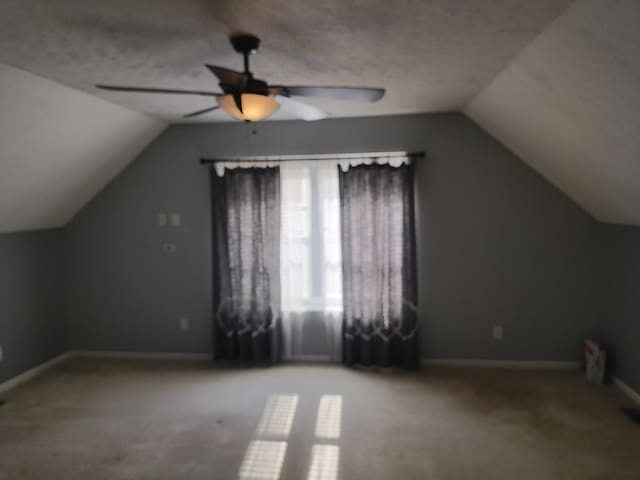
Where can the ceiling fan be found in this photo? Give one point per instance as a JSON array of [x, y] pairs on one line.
[[247, 98]]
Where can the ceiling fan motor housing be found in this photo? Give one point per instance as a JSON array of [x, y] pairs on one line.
[[246, 45]]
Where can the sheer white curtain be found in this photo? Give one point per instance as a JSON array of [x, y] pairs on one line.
[[310, 261]]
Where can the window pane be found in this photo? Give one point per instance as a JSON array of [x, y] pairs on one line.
[[311, 250]]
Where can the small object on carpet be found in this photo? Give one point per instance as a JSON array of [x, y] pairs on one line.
[[633, 414]]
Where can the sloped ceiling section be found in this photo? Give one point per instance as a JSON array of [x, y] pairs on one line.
[[430, 55], [569, 106], [58, 148]]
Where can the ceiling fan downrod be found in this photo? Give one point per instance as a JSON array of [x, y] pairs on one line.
[[246, 45]]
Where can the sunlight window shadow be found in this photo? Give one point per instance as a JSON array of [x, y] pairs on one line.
[[263, 460], [324, 462], [329, 417], [278, 414]]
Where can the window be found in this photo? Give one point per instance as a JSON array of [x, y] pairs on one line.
[[311, 262]]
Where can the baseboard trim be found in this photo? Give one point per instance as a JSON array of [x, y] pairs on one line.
[[309, 359], [429, 362], [140, 355], [32, 372], [626, 389], [513, 364]]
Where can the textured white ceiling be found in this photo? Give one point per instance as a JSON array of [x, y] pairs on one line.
[[557, 85], [58, 148], [430, 55], [569, 105]]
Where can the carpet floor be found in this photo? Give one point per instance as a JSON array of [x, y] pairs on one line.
[[124, 419]]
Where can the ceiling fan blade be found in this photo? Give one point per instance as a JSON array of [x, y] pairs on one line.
[[300, 109], [237, 98], [200, 112], [118, 88], [236, 80], [354, 94]]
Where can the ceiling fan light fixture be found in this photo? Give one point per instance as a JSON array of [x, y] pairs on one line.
[[259, 104], [254, 106]]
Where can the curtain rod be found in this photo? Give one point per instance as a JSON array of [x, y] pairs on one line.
[[329, 156]]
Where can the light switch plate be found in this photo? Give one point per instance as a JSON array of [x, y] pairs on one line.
[[161, 219], [174, 219], [184, 324], [0, 354]]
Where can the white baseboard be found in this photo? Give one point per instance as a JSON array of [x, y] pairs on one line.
[[626, 389], [32, 372], [309, 359], [444, 362], [140, 355], [514, 364], [43, 367]]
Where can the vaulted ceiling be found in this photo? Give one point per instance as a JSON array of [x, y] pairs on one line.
[[569, 106], [430, 55], [554, 80], [58, 148]]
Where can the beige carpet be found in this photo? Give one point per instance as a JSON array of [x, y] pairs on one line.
[[115, 419]]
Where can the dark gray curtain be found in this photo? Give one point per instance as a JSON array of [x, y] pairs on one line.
[[378, 261], [246, 264]]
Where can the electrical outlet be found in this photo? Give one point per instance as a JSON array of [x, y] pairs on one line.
[[184, 324], [498, 332]]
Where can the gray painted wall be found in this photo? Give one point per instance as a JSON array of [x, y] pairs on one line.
[[32, 307], [497, 244], [621, 315]]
